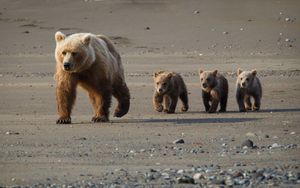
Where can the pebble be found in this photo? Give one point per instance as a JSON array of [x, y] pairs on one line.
[[249, 134], [247, 144], [186, 180], [275, 145], [178, 141]]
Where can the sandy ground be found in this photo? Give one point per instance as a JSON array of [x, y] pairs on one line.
[[151, 35]]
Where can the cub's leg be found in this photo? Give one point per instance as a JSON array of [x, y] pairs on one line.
[[174, 99], [206, 98], [121, 93], [256, 105], [157, 102], [223, 102], [185, 102], [215, 101], [240, 100], [167, 102], [247, 102], [65, 97]]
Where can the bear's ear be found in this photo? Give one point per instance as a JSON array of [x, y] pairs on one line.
[[86, 39], [215, 72], [170, 75], [253, 72], [239, 71], [155, 74], [200, 71], [59, 36]]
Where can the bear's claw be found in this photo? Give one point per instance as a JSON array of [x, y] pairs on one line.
[[63, 120], [100, 119]]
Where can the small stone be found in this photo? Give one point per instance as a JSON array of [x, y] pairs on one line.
[[198, 176], [247, 143], [196, 12], [275, 145], [178, 141], [147, 28], [225, 33], [287, 19], [186, 180], [249, 134], [292, 133]]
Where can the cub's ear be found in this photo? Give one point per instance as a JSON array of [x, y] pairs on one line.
[[254, 72], [200, 71], [239, 71], [59, 36], [170, 75], [215, 72], [157, 73], [86, 39]]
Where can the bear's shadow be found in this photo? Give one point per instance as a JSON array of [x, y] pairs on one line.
[[187, 120]]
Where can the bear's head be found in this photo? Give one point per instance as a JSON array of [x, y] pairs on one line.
[[74, 53], [162, 81], [208, 79], [245, 78]]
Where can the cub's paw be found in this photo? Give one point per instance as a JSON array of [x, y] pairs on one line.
[[255, 108], [222, 110], [61, 120], [119, 113], [100, 119], [184, 109], [159, 108], [248, 108], [170, 111], [166, 111]]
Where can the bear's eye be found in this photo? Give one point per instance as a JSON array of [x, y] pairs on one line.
[[247, 79], [241, 78], [157, 83], [201, 79], [64, 53], [164, 84], [208, 79], [74, 53]]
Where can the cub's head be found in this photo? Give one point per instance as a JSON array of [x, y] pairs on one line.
[[74, 53], [208, 79], [245, 78], [162, 81]]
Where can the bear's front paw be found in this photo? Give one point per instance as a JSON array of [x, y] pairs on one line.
[[61, 120], [159, 108], [255, 108], [100, 119], [243, 110], [170, 111]]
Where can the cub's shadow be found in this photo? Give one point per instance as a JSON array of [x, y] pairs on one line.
[[187, 120]]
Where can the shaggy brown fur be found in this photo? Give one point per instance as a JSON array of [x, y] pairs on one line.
[[247, 86], [168, 87], [93, 63], [214, 89]]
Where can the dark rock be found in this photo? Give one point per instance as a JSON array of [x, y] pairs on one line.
[[248, 143], [178, 141]]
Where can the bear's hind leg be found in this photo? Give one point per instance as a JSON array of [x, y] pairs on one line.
[[121, 93], [173, 104], [247, 102], [101, 103], [223, 102], [256, 105], [185, 102]]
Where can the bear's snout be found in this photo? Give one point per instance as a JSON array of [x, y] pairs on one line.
[[243, 84], [204, 85], [67, 66]]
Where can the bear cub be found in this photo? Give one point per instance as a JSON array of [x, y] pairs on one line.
[[214, 89], [247, 86], [168, 87]]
